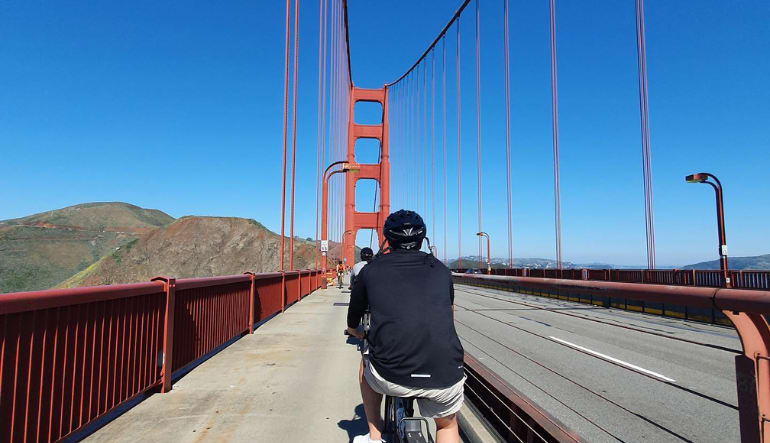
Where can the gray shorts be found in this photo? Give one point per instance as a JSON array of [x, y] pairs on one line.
[[432, 403]]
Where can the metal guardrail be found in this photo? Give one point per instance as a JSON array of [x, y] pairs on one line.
[[69, 357], [680, 277], [509, 412], [747, 310]]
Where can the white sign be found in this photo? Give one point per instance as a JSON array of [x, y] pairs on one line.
[[324, 245]]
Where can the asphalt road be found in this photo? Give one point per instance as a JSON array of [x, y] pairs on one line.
[[608, 374]]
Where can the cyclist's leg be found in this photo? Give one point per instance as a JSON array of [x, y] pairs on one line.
[[372, 401], [447, 430]]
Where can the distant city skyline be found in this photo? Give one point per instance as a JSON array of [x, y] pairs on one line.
[[177, 107]]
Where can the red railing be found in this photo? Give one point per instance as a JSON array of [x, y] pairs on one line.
[[680, 277], [71, 356]]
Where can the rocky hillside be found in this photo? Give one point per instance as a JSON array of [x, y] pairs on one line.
[[42, 250], [194, 247]]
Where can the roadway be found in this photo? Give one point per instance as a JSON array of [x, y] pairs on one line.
[[608, 374]]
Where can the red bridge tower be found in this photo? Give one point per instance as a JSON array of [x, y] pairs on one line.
[[380, 172]]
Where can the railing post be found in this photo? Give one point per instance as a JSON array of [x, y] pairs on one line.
[[752, 375], [169, 287], [283, 291], [252, 293]]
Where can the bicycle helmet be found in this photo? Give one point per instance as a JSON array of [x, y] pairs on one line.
[[404, 230], [367, 254]]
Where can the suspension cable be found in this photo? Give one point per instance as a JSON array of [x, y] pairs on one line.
[[416, 140], [459, 190], [293, 134], [285, 132], [424, 144], [507, 130], [645, 129], [478, 125], [443, 138], [321, 95], [555, 129], [438, 37], [433, 144]]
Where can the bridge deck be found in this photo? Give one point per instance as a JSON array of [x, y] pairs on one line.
[[531, 342], [294, 379]]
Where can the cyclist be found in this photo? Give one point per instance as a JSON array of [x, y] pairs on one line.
[[366, 256], [340, 272], [414, 349]]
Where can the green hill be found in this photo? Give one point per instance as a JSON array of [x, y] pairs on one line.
[[757, 262], [107, 216], [42, 250], [195, 247]]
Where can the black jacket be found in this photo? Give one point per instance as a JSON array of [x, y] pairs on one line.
[[412, 337]]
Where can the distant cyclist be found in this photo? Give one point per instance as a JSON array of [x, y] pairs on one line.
[[414, 350], [366, 256], [340, 273]]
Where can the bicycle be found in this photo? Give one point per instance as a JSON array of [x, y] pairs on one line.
[[400, 424]]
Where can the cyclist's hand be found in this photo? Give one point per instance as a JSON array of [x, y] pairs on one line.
[[355, 333]]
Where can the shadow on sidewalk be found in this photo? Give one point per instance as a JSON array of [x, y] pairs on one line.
[[356, 426]]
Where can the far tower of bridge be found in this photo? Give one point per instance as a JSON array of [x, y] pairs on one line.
[[380, 172]]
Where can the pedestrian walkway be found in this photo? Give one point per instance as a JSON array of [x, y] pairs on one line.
[[293, 380]]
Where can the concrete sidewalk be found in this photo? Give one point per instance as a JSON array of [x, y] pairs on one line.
[[293, 380]]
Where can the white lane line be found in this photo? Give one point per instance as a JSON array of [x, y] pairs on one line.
[[613, 359]]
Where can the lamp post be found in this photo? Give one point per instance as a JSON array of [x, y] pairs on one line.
[[489, 266], [346, 167], [702, 177]]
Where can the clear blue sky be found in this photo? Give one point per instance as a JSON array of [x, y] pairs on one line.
[[177, 106]]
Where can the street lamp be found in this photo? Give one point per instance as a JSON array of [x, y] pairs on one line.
[[345, 168], [489, 266], [703, 177]]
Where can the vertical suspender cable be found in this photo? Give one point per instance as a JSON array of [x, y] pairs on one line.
[[507, 130], [337, 130], [555, 122], [459, 187], [341, 104], [408, 144], [293, 135], [478, 125], [322, 91], [433, 145], [416, 141], [332, 115], [443, 138], [645, 129], [332, 118], [285, 131], [321, 66], [424, 143], [402, 142]]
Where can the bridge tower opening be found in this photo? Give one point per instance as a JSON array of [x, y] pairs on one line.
[[380, 172]]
